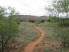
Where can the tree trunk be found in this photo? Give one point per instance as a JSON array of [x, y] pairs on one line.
[[2, 44], [7, 40], [67, 15]]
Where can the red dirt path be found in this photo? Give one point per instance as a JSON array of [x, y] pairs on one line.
[[31, 45]]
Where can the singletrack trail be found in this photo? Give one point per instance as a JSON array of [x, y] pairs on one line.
[[31, 45]]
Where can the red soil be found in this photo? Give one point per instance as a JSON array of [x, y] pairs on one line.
[[31, 45]]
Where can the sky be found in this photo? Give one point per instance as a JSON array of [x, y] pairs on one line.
[[28, 7]]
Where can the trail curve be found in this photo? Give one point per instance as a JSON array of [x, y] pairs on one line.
[[31, 45]]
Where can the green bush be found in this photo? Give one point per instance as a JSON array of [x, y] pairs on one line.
[[53, 19], [21, 20], [62, 33], [42, 21], [32, 21], [8, 30], [64, 22]]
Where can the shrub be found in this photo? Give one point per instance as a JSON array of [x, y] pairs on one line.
[[42, 21], [64, 22], [53, 19], [32, 21], [8, 30], [21, 20], [63, 35]]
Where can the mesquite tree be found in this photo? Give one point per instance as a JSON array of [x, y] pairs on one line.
[[62, 6], [8, 30]]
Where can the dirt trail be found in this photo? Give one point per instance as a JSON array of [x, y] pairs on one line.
[[31, 45]]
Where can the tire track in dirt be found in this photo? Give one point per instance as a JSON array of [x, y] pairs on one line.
[[31, 45]]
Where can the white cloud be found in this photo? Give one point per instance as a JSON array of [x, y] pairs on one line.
[[28, 7]]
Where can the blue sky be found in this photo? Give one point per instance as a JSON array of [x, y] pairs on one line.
[[28, 7]]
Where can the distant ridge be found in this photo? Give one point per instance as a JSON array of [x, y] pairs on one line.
[[30, 17]]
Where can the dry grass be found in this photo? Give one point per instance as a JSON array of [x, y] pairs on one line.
[[27, 33], [51, 30]]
